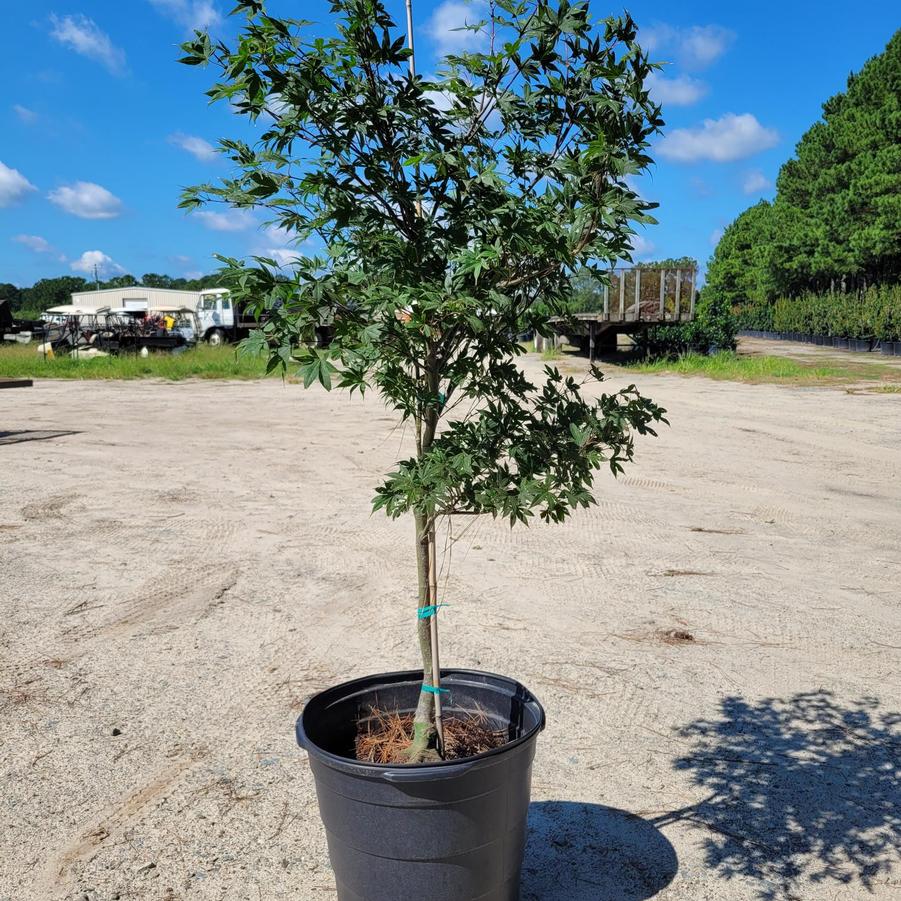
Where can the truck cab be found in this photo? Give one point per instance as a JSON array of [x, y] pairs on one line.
[[215, 315]]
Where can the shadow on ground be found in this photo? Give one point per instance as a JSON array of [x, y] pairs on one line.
[[587, 852], [802, 791], [33, 435]]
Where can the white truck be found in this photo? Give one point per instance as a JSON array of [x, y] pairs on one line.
[[215, 315], [218, 318], [222, 320]]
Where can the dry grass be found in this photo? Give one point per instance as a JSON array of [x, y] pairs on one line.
[[675, 636], [876, 389], [385, 737]]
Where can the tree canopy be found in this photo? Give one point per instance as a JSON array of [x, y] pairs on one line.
[[836, 218], [448, 206]]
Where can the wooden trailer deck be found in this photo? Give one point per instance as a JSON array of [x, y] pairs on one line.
[[635, 299]]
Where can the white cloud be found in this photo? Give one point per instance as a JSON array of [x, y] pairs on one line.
[[683, 90], [86, 200], [230, 221], [284, 256], [694, 48], [197, 147], [441, 100], [28, 116], [444, 101], [192, 14], [755, 182], [91, 258], [722, 140], [39, 245], [34, 242], [642, 247], [446, 21], [81, 34], [634, 182], [278, 244], [13, 185]]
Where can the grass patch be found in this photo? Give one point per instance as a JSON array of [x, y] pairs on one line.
[[766, 369], [202, 362], [876, 389]]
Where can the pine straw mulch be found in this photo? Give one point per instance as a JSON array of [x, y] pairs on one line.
[[384, 737]]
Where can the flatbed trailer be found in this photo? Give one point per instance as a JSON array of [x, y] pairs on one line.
[[635, 299]]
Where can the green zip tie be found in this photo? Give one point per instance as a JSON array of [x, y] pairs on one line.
[[431, 610]]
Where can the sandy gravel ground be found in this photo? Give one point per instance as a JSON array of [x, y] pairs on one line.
[[716, 644], [811, 353]]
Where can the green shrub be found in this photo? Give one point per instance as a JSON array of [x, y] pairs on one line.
[[714, 325], [884, 312], [876, 313], [756, 314], [30, 314]]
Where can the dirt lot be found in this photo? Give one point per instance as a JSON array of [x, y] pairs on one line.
[[716, 644], [811, 353]]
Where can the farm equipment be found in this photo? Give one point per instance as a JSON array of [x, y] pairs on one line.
[[171, 329], [99, 332]]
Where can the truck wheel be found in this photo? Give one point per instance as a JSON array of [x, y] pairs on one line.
[[216, 337]]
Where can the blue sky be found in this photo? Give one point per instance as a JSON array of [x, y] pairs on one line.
[[100, 128]]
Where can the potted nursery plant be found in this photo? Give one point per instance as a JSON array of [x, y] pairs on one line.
[[445, 209]]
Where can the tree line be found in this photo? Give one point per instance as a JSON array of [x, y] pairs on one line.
[[835, 223], [52, 292]]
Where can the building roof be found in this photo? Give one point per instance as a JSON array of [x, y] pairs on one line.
[[136, 288], [72, 309]]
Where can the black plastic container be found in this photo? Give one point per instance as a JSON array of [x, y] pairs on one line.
[[448, 831]]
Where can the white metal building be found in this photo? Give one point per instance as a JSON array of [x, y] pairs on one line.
[[136, 297]]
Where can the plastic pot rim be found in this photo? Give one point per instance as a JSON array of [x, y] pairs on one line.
[[412, 771]]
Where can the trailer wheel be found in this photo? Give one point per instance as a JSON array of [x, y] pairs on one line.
[[216, 337]]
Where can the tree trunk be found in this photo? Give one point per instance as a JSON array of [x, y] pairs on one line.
[[424, 718], [433, 634], [427, 726]]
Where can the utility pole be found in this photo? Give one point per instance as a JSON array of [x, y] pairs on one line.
[[96, 278], [410, 36]]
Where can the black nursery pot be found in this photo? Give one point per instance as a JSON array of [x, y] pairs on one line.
[[447, 831]]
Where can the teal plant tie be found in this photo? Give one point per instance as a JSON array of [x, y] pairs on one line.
[[430, 610], [432, 690]]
